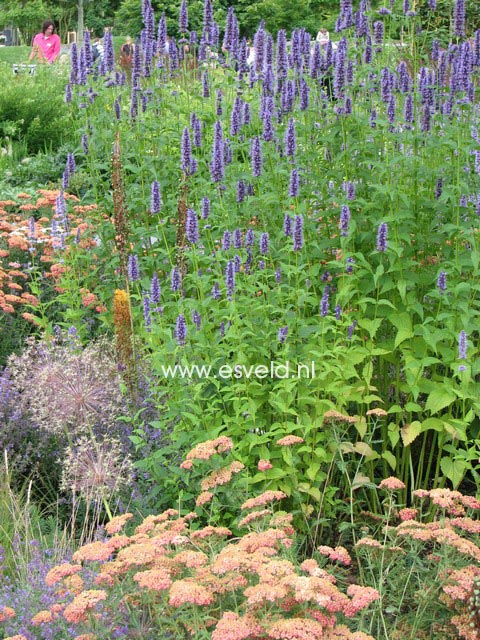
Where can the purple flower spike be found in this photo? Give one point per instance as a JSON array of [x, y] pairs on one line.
[[155, 198], [230, 278], [282, 334], [155, 291], [294, 185], [217, 166], [181, 330], [191, 227], [442, 281], [205, 208], [133, 270], [216, 291], [183, 18], [176, 279], [264, 242], [382, 237], [290, 140], [462, 346], [186, 161], [459, 18], [324, 302], [297, 233], [226, 240], [196, 319], [344, 220], [287, 226], [256, 157]]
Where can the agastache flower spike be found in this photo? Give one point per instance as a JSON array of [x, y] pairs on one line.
[[186, 161], [344, 220], [217, 167], [183, 17], [226, 240], [290, 140], [324, 302], [264, 242], [230, 278], [459, 18], [155, 198], [282, 334], [205, 208], [294, 184], [155, 291], [249, 237], [191, 227], [256, 157], [442, 281], [382, 237], [297, 233], [196, 319], [181, 330], [462, 346], [133, 270], [176, 279], [287, 226]]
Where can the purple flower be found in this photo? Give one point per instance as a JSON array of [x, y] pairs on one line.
[[297, 233], [344, 220], [217, 166], [230, 278], [264, 242], [338, 312], [155, 197], [459, 19], [462, 346], [205, 208], [133, 270], [155, 289], [205, 85], [382, 237], [196, 319], [282, 334], [256, 157], [176, 279], [196, 125], [278, 275], [425, 124], [216, 291], [236, 117], [290, 140], [351, 329], [68, 93], [218, 102], [442, 281], [191, 227], [287, 225], [226, 240], [349, 266], [249, 237], [408, 109], [324, 302], [186, 161], [181, 330], [240, 191], [294, 184], [304, 95], [237, 239], [183, 17], [282, 60]]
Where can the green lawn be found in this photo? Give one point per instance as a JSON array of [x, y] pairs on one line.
[[14, 55]]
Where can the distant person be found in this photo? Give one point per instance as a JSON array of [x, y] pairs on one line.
[[323, 37], [126, 53], [46, 45]]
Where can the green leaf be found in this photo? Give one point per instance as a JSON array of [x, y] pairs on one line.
[[439, 399], [410, 431], [453, 469], [372, 326], [390, 458]]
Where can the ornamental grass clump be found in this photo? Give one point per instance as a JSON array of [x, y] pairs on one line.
[[172, 576]]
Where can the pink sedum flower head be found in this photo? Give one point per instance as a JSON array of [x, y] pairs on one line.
[[391, 484], [264, 465], [289, 441]]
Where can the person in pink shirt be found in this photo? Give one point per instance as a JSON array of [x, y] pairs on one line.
[[46, 45]]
